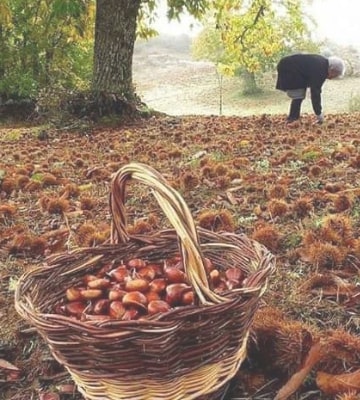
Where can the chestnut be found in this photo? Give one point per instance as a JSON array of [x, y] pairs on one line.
[[119, 274], [136, 263], [174, 293], [90, 294], [187, 298], [158, 306], [130, 314], [147, 272], [116, 309], [233, 284], [234, 274], [157, 268], [157, 285], [175, 261], [116, 294], [101, 306], [234, 278], [174, 275], [136, 285], [75, 308], [104, 270], [152, 295], [208, 264], [135, 299], [89, 277], [73, 294], [100, 283], [220, 287], [215, 276]]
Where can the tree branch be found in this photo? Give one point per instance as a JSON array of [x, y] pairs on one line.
[[258, 15]]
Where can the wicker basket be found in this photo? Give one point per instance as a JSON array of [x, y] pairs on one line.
[[187, 353]]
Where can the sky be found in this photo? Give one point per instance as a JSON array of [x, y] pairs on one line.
[[174, 27], [337, 20]]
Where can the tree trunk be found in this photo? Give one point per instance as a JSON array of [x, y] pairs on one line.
[[115, 35], [250, 86]]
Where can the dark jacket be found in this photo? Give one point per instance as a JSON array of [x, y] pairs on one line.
[[300, 71]]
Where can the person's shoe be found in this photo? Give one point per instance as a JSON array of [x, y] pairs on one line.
[[291, 120], [293, 123]]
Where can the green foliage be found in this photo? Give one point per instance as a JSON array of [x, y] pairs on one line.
[[146, 16], [44, 42], [196, 8], [18, 84], [209, 46], [48, 44], [252, 35]]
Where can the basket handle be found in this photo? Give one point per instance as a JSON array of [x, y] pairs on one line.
[[178, 213]]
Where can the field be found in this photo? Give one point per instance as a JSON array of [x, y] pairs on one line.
[[294, 189], [180, 86]]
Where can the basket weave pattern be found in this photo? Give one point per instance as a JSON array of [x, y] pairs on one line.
[[187, 353]]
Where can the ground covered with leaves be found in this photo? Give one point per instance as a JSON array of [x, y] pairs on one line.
[[294, 189]]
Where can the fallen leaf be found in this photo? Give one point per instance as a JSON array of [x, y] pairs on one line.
[[12, 373], [336, 384], [68, 388], [49, 396], [293, 384], [232, 199], [6, 365]]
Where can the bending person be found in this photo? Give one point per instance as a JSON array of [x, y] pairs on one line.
[[298, 72]]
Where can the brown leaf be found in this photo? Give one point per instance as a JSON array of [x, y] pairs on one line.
[[293, 384], [336, 384], [232, 199], [12, 372], [68, 388], [49, 396], [6, 365]]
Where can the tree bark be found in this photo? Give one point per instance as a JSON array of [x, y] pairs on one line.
[[250, 85], [115, 35]]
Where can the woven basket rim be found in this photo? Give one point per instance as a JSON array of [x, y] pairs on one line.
[[190, 247], [24, 303]]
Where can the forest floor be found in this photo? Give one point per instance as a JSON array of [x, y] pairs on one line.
[[294, 189]]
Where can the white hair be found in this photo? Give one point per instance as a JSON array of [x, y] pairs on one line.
[[337, 66]]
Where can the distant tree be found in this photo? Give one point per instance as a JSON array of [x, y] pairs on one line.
[[246, 38]]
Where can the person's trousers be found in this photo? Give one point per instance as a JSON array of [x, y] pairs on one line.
[[297, 96], [295, 108]]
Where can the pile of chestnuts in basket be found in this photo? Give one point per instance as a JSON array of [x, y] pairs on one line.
[[139, 289]]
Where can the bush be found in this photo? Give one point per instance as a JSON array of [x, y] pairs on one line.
[[17, 85]]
